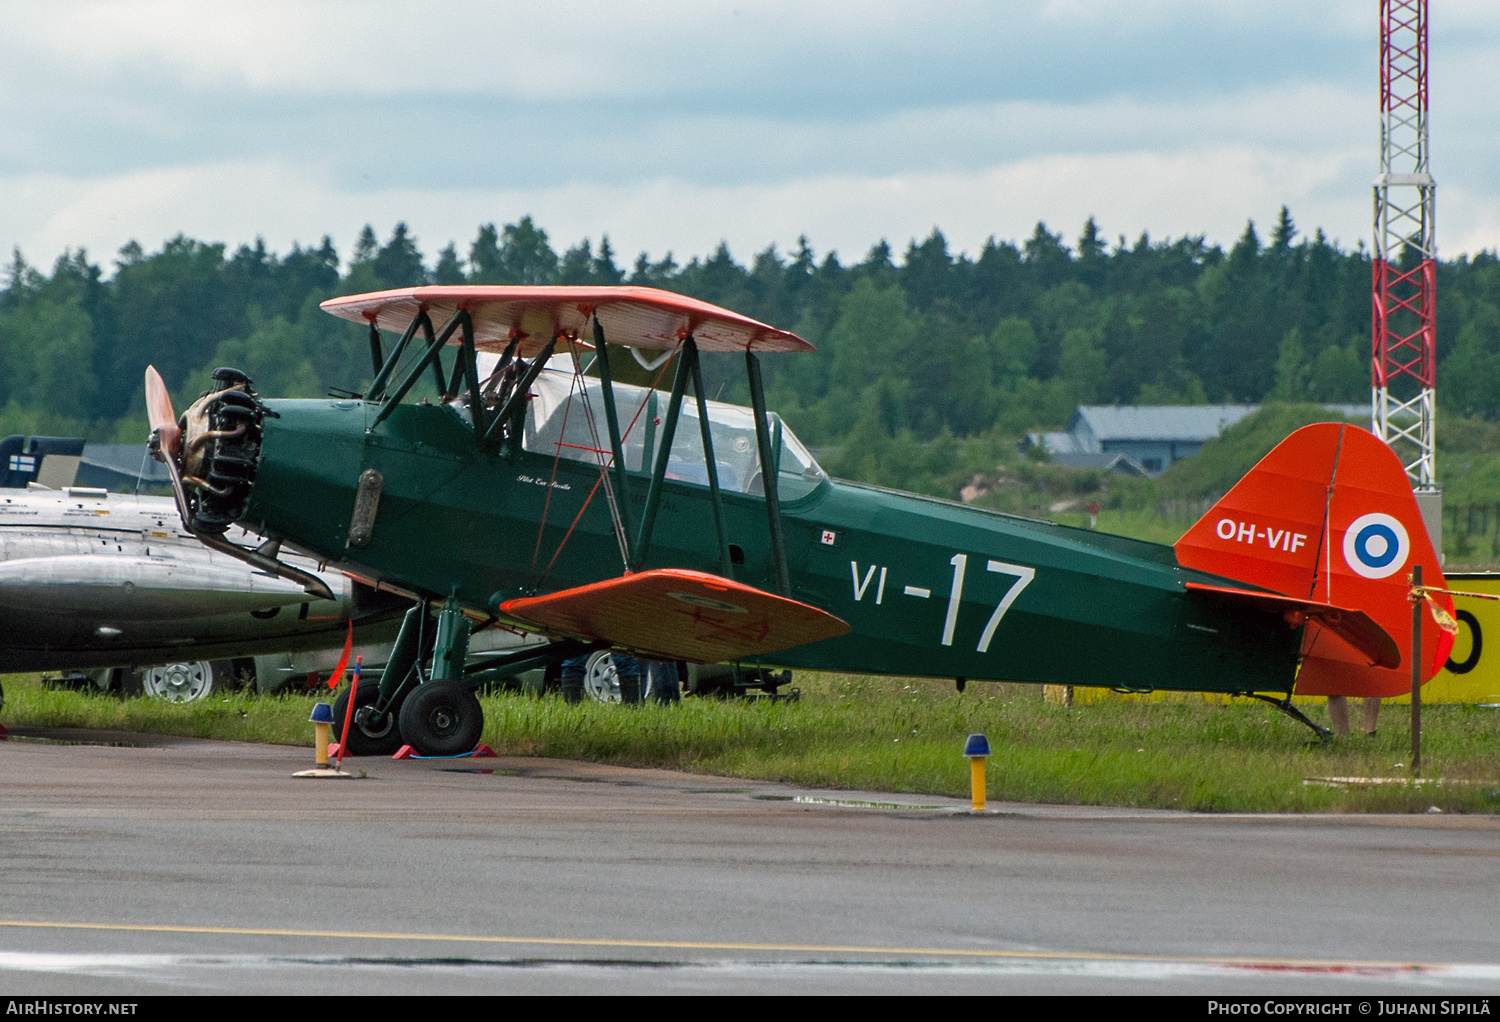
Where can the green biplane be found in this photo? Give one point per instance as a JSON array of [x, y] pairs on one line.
[[534, 492]]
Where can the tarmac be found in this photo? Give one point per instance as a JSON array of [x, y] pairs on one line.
[[134, 865]]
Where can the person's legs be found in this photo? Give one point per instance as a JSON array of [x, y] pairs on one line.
[[628, 671], [1338, 714], [572, 678], [1372, 713]]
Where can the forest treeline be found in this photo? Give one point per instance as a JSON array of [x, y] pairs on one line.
[[917, 350]]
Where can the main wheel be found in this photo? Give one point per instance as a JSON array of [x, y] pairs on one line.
[[368, 735], [442, 718], [178, 683], [601, 680]]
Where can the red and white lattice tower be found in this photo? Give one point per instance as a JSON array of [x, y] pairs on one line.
[[1405, 264]]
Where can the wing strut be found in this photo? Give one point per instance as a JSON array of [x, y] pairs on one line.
[[768, 471], [518, 396], [616, 512], [659, 471], [383, 376], [710, 461], [688, 368], [429, 357], [616, 446]]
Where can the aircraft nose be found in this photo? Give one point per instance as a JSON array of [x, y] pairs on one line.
[[220, 451]]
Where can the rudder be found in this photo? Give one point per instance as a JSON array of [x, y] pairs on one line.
[[1329, 516]]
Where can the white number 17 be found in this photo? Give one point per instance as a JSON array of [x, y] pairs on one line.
[[1024, 576]]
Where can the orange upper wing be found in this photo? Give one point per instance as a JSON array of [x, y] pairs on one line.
[[640, 317], [675, 614]]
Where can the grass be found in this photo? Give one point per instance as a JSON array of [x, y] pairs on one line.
[[906, 736], [240, 716]]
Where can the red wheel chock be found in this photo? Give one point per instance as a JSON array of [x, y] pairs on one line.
[[482, 752]]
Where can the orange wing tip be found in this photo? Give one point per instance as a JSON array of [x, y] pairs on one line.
[[1353, 626], [676, 614]]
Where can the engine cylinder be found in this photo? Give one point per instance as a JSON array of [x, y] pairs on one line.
[[231, 452]]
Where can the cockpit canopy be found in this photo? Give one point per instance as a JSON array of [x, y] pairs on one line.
[[566, 418]]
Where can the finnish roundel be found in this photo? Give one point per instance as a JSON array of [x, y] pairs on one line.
[[1376, 546]]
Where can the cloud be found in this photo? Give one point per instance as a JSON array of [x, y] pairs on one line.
[[563, 49], [1214, 190], [673, 124]]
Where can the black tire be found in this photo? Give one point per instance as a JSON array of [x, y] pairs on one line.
[[372, 738], [442, 718]]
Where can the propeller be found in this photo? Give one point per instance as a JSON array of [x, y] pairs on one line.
[[168, 436], [163, 418]]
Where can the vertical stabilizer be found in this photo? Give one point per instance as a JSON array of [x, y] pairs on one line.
[[1329, 516]]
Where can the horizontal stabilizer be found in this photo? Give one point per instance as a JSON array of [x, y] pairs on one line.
[[1355, 627], [675, 614]]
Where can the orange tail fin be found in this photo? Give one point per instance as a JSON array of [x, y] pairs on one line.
[[1329, 516]]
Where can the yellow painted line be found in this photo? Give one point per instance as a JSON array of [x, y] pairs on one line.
[[688, 945]]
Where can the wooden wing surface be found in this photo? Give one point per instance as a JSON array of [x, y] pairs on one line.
[[675, 614], [639, 317]]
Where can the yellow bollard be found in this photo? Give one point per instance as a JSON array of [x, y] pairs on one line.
[[322, 722], [977, 749]]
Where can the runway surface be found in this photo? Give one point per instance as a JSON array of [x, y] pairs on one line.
[[175, 865]]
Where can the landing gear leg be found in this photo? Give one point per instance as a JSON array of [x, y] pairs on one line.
[[1286, 707], [442, 716], [376, 729], [452, 644]]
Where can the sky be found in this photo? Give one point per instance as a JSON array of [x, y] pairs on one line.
[[672, 126]]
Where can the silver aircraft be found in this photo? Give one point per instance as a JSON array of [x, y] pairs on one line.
[[111, 584]]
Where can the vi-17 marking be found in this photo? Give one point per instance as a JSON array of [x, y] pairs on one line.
[[860, 587], [1024, 576]]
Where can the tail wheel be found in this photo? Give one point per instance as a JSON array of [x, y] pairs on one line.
[[442, 718], [369, 735]]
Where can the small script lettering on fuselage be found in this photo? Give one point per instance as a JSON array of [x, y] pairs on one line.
[[542, 482]]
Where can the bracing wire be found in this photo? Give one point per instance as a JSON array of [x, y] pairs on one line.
[[645, 399], [536, 551], [605, 462]]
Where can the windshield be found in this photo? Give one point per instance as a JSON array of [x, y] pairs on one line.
[[559, 421]]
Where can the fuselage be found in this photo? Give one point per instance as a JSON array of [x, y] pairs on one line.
[[94, 579], [929, 587]]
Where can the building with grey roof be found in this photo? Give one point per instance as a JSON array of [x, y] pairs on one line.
[[1149, 437]]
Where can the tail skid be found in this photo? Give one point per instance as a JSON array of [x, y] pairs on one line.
[[1328, 519]]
